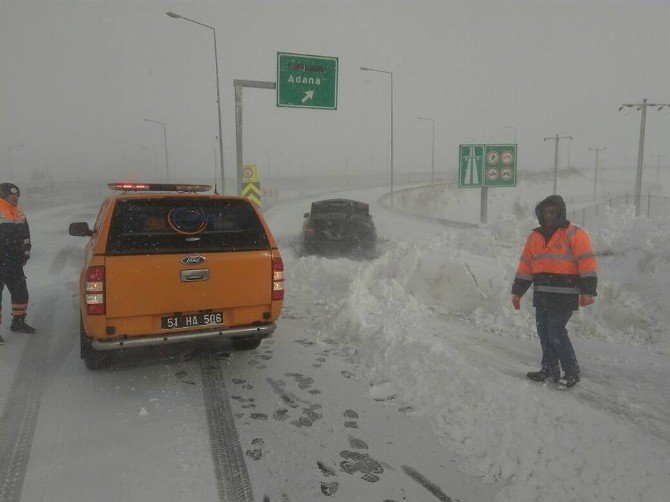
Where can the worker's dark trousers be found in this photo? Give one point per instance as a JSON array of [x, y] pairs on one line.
[[15, 280], [556, 346]]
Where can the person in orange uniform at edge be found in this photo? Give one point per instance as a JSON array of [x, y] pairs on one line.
[[14, 253], [559, 262]]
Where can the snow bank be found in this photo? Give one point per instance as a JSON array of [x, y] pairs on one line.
[[432, 322]]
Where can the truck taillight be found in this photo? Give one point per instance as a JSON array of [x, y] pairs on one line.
[[94, 290], [309, 231], [277, 279]]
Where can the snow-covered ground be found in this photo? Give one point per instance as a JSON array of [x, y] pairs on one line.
[[432, 320], [425, 331]]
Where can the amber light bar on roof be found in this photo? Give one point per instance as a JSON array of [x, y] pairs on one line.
[[158, 187]]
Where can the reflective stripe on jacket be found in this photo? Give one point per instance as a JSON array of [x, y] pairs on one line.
[[559, 270]]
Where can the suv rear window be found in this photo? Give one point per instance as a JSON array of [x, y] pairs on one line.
[[182, 225], [331, 208], [341, 207]]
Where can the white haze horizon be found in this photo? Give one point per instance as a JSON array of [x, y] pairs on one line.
[[81, 76]]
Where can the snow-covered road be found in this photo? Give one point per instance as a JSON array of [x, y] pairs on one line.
[[400, 378]]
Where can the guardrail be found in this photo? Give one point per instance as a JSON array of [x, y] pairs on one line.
[[652, 206], [399, 199]]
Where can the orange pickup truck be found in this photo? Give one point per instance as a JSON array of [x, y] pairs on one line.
[[170, 263]]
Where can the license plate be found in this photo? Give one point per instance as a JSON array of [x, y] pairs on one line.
[[191, 320]]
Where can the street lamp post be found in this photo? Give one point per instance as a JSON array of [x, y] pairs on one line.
[[218, 96], [364, 68], [10, 171], [432, 165], [214, 172], [167, 168]]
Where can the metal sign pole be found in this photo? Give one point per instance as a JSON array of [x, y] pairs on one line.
[[239, 84], [484, 206]]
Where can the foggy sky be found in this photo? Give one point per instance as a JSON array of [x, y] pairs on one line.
[[77, 78]]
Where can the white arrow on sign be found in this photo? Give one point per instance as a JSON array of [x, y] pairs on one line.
[[308, 95]]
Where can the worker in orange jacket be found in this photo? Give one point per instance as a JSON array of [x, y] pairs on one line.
[[14, 253], [559, 263]]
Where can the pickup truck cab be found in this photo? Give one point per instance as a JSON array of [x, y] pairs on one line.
[[169, 263]]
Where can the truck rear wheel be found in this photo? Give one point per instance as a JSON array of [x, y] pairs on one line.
[[246, 343], [93, 359]]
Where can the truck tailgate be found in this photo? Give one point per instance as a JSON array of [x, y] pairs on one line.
[[155, 284]]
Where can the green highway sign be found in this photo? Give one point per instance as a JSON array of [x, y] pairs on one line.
[[487, 165], [305, 81], [471, 165]]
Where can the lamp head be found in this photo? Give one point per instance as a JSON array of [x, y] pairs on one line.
[[174, 15]]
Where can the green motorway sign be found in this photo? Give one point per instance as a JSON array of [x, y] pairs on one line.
[[305, 81], [487, 165]]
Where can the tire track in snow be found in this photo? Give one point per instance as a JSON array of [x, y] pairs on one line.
[[426, 483], [232, 477], [19, 418], [61, 259]]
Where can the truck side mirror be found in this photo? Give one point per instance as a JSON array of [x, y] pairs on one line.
[[80, 229]]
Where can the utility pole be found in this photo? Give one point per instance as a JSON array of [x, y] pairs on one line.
[[556, 139], [640, 154], [596, 149], [658, 167]]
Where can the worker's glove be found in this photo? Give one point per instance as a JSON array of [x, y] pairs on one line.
[[585, 300], [516, 302]]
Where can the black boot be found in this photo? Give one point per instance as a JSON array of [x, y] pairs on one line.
[[19, 325], [568, 381], [543, 374], [2, 341]]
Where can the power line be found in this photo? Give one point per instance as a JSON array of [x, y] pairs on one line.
[[593, 123], [640, 154], [556, 139], [596, 149]]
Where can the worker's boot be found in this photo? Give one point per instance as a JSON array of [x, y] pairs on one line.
[[544, 374], [568, 381], [19, 325]]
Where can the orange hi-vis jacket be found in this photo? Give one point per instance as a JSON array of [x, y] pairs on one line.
[[559, 270], [14, 236]]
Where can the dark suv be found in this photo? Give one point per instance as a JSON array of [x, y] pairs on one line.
[[339, 227]]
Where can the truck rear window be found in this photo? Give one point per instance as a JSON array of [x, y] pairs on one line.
[[182, 225]]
